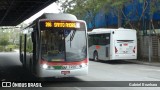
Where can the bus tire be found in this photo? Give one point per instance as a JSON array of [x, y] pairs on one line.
[[95, 56]]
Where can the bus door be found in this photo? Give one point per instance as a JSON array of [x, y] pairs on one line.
[[124, 46], [34, 36]]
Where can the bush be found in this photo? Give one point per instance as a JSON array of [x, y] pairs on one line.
[[12, 46], [8, 48], [1, 48]]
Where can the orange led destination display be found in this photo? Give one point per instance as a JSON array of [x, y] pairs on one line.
[[49, 24]]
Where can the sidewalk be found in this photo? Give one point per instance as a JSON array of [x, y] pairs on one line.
[[157, 64]]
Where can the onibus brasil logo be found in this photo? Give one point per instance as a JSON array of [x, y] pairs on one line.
[[15, 84]]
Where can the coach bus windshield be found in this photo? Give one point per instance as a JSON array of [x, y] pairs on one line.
[[63, 45]]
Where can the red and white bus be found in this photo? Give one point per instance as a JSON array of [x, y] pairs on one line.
[[55, 45], [112, 44]]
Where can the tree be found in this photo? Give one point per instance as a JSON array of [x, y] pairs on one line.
[[83, 9], [4, 41], [153, 8], [87, 9], [149, 5], [118, 6]]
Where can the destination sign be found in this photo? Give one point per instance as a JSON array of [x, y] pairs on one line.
[[62, 24], [49, 24], [71, 25]]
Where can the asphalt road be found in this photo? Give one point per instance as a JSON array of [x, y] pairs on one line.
[[119, 71]]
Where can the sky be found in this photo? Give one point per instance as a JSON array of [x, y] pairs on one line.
[[52, 8]]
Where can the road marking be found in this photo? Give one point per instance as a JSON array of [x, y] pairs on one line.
[[154, 78], [150, 70], [77, 88]]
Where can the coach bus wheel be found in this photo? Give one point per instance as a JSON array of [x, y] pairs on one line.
[[95, 56]]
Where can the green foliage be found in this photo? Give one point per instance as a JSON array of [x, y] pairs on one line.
[[4, 41], [9, 37], [8, 48], [29, 46], [82, 8], [1, 48], [87, 9], [119, 4], [76, 7], [153, 7], [12, 46]]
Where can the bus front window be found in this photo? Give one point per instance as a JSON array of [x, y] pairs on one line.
[[75, 45], [63, 45], [52, 46]]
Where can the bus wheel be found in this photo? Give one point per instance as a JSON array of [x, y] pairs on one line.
[[95, 55]]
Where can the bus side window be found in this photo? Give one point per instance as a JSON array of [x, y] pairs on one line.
[[32, 36], [107, 39], [95, 40]]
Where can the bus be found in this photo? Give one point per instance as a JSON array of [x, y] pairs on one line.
[[112, 44], [55, 45]]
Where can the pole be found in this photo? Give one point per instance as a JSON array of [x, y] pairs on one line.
[[150, 42]]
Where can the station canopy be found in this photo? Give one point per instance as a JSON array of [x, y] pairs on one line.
[[14, 12]]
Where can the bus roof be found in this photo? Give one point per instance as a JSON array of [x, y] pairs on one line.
[[57, 16], [54, 16], [107, 30]]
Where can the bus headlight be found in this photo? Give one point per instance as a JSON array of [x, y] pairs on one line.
[[44, 66], [83, 65]]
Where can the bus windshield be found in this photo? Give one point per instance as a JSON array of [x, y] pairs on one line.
[[63, 45]]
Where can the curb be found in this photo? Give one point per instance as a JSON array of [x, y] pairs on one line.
[[157, 64]]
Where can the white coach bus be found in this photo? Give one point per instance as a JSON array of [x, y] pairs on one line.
[[112, 44]]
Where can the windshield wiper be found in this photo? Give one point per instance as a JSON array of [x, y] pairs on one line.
[[72, 36]]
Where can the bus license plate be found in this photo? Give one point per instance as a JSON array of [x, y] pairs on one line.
[[70, 67], [65, 72], [73, 67], [125, 44]]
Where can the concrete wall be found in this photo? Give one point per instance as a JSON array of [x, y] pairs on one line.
[[143, 48]]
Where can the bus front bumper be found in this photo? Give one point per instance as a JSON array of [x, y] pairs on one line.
[[62, 73]]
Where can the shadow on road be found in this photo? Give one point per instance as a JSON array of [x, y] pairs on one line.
[[18, 73], [119, 62], [15, 73], [115, 62], [12, 70]]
